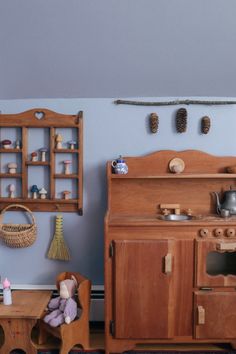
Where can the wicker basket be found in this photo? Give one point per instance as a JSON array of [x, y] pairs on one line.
[[18, 235]]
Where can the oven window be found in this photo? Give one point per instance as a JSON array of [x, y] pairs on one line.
[[221, 263]]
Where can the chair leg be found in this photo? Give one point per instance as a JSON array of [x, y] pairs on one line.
[[85, 341], [65, 348], [42, 335]]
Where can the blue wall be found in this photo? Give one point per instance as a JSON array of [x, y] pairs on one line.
[[109, 48], [109, 130]]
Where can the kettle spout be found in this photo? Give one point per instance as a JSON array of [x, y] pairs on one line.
[[218, 205]]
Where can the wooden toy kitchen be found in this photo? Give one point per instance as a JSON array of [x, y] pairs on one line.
[[170, 270]]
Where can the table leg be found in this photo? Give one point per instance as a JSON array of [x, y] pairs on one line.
[[17, 335]]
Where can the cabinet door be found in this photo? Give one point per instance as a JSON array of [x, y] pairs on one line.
[[215, 315], [143, 288], [216, 263]]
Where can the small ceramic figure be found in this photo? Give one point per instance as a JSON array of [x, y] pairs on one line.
[[18, 144], [43, 154], [66, 194], [72, 144], [12, 167], [6, 144], [119, 166], [42, 193], [34, 156], [59, 140], [12, 189], [67, 164], [34, 190]]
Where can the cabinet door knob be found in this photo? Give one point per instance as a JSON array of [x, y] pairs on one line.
[[230, 232], [203, 232], [200, 315], [218, 232], [168, 263]]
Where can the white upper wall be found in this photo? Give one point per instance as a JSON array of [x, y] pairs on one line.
[[117, 48]]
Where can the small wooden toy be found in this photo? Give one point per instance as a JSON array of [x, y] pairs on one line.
[[34, 190], [72, 144], [12, 189], [43, 154], [42, 193], [18, 144], [67, 164], [59, 140], [66, 194], [12, 167], [6, 144], [34, 156]]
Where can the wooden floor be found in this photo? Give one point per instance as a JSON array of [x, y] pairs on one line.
[[97, 344]]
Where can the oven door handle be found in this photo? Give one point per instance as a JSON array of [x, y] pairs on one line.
[[200, 315], [223, 246]]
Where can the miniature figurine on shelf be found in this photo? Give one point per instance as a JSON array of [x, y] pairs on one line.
[[18, 144], [43, 154], [59, 141], [6, 144], [72, 144], [42, 193], [34, 156], [66, 194], [34, 190], [12, 189], [119, 166], [67, 164], [12, 167]]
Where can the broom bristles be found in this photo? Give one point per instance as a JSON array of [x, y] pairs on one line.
[[58, 248]]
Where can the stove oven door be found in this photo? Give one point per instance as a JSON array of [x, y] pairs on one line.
[[215, 263]]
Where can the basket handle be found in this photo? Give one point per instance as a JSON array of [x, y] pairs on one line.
[[16, 206]]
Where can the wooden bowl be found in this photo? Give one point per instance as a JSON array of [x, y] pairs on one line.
[[176, 165]]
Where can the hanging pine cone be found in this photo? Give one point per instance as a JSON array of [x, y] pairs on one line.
[[154, 122], [181, 120], [206, 124]]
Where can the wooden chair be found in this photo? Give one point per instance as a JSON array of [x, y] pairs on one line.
[[77, 332]]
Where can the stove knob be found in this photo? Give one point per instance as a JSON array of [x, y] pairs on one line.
[[203, 232], [218, 232], [230, 232]]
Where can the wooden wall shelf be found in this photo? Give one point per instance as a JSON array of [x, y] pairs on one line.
[[38, 163], [180, 176], [6, 151], [52, 121], [70, 151]]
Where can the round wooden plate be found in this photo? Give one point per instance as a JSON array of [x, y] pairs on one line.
[[176, 165]]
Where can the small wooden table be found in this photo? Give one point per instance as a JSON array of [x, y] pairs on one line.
[[18, 319]]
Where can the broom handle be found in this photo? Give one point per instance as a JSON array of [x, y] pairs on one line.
[[16, 206]]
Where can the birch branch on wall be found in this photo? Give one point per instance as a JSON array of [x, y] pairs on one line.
[[175, 102]]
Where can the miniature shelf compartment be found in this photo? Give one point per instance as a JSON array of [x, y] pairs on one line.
[[44, 118]]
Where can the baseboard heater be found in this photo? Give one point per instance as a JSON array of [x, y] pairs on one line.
[[97, 298]]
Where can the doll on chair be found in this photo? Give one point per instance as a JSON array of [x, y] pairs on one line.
[[63, 309]]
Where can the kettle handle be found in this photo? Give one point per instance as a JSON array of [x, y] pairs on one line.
[[113, 163]]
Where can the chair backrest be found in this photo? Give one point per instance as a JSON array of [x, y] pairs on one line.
[[83, 289]]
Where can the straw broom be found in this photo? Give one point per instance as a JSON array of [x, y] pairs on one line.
[[58, 248]]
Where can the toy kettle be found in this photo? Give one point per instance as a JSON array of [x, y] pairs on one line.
[[228, 202], [119, 166]]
